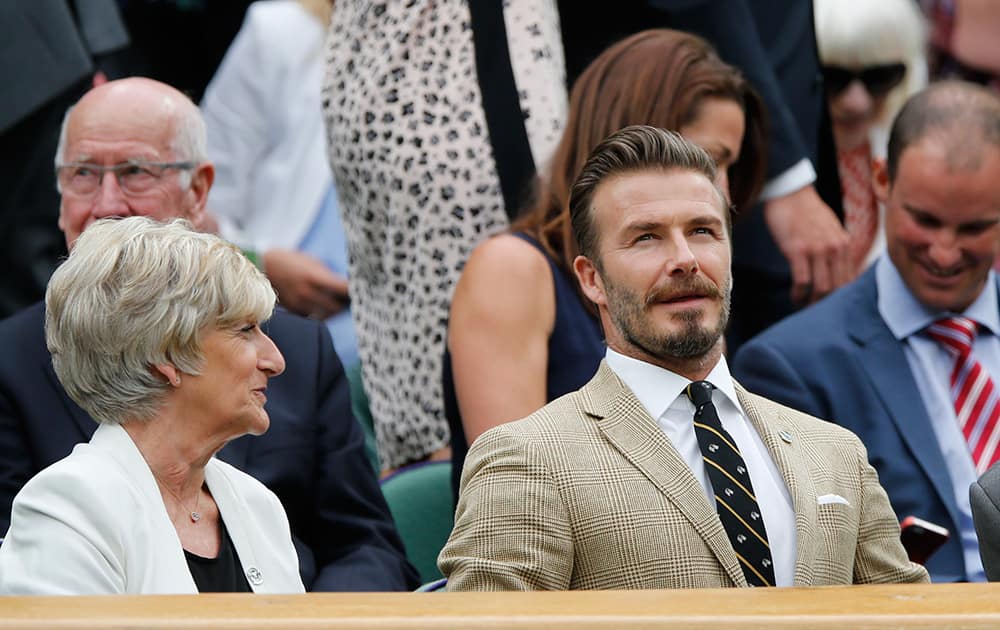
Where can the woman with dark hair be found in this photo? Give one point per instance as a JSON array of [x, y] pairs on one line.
[[520, 333]]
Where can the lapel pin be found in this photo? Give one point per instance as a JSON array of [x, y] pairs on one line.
[[255, 576], [786, 436]]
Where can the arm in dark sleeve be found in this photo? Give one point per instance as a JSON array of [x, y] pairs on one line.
[[356, 544], [730, 27]]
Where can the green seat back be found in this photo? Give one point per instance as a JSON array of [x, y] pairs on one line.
[[419, 497], [359, 405]]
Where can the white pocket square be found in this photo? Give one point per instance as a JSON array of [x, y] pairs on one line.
[[827, 499]]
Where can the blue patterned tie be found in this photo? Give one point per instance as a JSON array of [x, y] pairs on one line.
[[734, 495]]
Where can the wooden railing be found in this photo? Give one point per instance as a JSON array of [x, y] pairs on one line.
[[851, 607]]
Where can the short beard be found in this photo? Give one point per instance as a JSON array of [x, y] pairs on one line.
[[692, 341]]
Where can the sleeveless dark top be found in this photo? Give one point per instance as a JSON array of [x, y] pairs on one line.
[[576, 347], [221, 574]]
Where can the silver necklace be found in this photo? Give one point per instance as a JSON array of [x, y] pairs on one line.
[[194, 514]]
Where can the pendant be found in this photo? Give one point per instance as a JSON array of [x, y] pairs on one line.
[[195, 517]]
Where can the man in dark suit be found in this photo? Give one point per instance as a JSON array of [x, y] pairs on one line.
[[792, 249], [312, 456], [905, 355]]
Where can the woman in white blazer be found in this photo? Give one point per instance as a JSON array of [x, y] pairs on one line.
[[154, 330]]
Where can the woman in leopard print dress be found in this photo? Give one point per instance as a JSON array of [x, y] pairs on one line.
[[420, 142]]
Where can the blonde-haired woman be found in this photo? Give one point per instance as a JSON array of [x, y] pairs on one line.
[[873, 59], [154, 330]]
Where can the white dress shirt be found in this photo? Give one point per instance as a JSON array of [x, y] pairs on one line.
[[794, 178], [661, 393]]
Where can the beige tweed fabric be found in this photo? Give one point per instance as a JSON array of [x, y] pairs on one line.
[[588, 493]]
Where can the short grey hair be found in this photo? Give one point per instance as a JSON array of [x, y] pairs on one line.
[[135, 293], [633, 149], [189, 144], [963, 118]]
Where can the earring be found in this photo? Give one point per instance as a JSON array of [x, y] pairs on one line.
[[177, 381]]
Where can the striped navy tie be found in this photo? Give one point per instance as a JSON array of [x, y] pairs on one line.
[[734, 496]]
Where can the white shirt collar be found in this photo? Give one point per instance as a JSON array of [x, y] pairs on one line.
[[657, 388]]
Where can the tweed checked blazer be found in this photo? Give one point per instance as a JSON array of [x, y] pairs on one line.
[[589, 493]]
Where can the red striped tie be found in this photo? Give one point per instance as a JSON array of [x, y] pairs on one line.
[[976, 398]]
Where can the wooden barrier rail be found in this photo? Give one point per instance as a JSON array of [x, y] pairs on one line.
[[854, 607]]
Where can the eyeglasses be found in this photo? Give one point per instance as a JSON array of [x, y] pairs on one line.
[[878, 80], [135, 177]]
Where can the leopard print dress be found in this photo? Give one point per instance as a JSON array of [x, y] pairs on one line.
[[414, 166]]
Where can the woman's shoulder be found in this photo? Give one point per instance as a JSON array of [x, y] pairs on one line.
[[86, 481], [507, 254], [506, 267], [507, 282]]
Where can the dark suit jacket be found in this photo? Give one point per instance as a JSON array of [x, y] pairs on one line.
[[984, 495], [838, 360], [312, 456]]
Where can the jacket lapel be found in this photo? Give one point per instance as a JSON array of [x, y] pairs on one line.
[[892, 381], [117, 444], [627, 426], [778, 435], [236, 515]]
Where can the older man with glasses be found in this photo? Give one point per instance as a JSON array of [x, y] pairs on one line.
[[159, 161]]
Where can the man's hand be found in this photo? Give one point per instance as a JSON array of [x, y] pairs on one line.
[[304, 284], [814, 242]]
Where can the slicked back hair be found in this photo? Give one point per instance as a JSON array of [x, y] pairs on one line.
[[629, 150]]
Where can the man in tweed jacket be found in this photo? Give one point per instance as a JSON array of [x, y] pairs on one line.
[[606, 487]]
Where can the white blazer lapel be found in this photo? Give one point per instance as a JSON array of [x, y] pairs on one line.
[[170, 561], [235, 514]]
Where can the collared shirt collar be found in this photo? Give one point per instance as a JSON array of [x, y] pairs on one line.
[[657, 388], [905, 316]]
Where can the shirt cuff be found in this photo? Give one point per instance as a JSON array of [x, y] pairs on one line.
[[798, 176]]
